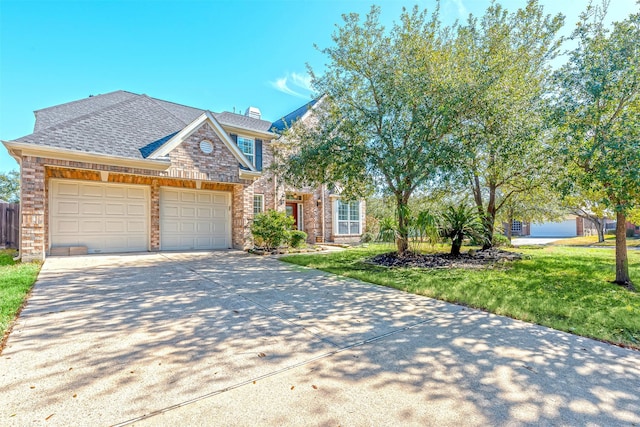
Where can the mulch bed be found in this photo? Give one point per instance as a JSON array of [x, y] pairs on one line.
[[471, 259]]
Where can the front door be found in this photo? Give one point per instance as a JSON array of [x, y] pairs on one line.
[[292, 210]]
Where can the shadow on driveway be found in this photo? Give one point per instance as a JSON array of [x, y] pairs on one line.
[[112, 339]]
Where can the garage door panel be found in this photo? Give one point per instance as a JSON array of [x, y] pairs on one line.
[[191, 219], [170, 195], [205, 213], [67, 227], [205, 198], [138, 227], [100, 216], [115, 226], [188, 197], [187, 212], [136, 210], [115, 209], [91, 226], [219, 212], [136, 193], [204, 227], [219, 200], [116, 192], [90, 208], [67, 207], [88, 190], [187, 227]]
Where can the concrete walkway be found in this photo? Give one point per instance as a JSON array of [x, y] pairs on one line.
[[225, 338]]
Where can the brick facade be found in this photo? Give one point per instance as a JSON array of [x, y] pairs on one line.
[[190, 168]]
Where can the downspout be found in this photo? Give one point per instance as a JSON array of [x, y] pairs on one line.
[[322, 211], [19, 256]]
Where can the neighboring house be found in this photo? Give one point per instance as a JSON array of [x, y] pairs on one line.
[[570, 226], [123, 172]]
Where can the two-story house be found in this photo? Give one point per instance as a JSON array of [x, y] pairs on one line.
[[123, 172]]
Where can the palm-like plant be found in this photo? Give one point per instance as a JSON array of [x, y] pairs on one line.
[[459, 223]]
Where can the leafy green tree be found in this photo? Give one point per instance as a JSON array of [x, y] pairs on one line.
[[588, 204], [502, 61], [598, 116], [386, 110], [10, 186]]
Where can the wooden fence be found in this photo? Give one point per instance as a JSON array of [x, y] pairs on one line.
[[9, 225]]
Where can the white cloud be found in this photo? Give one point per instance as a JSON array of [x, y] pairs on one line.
[[462, 10], [298, 81], [303, 81]]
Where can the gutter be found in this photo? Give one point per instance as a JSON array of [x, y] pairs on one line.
[[72, 155]]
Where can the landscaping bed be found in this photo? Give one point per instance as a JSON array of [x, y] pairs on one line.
[[470, 259]]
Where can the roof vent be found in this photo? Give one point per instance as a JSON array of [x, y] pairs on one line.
[[253, 112]]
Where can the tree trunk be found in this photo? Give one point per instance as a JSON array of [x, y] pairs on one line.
[[622, 262], [456, 244], [510, 226], [600, 227], [490, 220], [402, 237]]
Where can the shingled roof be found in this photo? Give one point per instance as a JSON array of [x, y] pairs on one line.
[[121, 124], [120, 129], [293, 116], [244, 122]]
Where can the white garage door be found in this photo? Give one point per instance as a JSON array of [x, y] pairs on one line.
[[102, 217], [194, 219], [555, 229]]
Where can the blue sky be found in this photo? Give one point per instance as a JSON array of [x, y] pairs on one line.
[[216, 55]]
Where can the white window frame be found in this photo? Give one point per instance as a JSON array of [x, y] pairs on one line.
[[349, 221], [241, 140], [261, 198]]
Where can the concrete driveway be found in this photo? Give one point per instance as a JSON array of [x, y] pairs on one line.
[[225, 338]]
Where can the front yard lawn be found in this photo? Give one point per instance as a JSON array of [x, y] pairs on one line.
[[609, 241], [16, 279], [560, 287]]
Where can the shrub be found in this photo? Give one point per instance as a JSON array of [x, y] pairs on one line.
[[297, 238], [459, 223], [425, 229], [270, 229], [367, 237], [500, 240], [387, 232]]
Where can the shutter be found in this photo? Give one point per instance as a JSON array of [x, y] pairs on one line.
[[234, 137], [258, 154]]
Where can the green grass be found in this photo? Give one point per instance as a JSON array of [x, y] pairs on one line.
[[563, 288], [632, 242], [16, 279]]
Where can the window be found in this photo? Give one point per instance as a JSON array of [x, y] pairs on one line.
[[348, 217], [247, 146], [258, 203], [516, 227]]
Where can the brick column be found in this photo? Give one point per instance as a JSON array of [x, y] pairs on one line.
[[154, 211], [242, 214], [32, 207]]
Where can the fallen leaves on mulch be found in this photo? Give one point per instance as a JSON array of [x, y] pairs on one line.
[[471, 259]]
